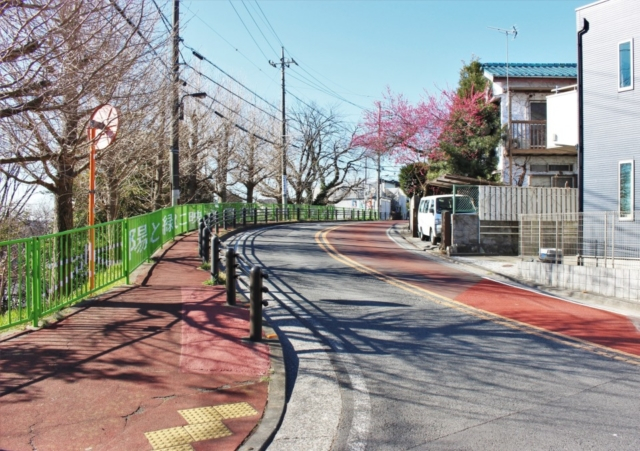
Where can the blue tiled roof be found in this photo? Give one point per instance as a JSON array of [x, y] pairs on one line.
[[538, 70]]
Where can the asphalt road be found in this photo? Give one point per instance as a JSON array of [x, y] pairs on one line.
[[372, 365]]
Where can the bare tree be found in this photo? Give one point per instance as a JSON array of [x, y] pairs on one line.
[[63, 58], [14, 218], [221, 158], [321, 160], [255, 154]]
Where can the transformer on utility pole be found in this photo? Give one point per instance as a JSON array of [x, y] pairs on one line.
[[283, 64]]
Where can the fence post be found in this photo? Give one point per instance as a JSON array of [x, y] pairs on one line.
[[255, 215], [255, 307], [206, 244], [244, 216], [215, 259], [454, 199], [297, 213], [266, 215], [125, 249], [231, 276], [201, 228], [33, 250]]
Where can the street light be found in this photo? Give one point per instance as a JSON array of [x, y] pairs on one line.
[[175, 146]]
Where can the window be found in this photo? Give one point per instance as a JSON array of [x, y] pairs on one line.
[[625, 189], [538, 111], [538, 168], [540, 181], [551, 168], [625, 65], [560, 168]]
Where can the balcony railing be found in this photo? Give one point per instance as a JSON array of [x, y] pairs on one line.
[[528, 134]]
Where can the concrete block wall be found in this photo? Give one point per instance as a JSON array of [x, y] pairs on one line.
[[465, 233], [621, 283]]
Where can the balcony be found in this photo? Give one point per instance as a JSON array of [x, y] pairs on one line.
[[528, 135]]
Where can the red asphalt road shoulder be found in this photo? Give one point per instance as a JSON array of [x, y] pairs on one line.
[[158, 364], [369, 245]]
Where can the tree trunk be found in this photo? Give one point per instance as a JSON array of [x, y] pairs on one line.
[[64, 197], [250, 187]]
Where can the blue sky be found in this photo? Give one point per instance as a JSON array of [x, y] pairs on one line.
[[358, 48]]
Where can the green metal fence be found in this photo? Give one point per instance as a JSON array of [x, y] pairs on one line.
[[43, 274]]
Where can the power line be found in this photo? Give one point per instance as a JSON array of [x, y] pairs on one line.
[[230, 91], [268, 23], [235, 124], [164, 19], [302, 67], [206, 24], [213, 99], [204, 58], [258, 27], [245, 27]]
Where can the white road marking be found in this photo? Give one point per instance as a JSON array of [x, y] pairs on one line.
[[302, 423]]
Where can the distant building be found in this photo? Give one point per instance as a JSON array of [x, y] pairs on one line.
[[529, 155], [392, 199]]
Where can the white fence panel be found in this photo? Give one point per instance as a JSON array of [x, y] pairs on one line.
[[506, 203]]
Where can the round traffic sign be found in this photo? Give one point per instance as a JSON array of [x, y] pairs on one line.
[[104, 123]]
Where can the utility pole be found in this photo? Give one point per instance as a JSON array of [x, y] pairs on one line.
[[514, 32], [283, 64], [379, 153], [175, 101]]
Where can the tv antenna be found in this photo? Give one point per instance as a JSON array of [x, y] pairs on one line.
[[513, 31]]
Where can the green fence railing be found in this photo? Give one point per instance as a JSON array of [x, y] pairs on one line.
[[43, 274]]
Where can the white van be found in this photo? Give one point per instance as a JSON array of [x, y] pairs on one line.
[[430, 213]]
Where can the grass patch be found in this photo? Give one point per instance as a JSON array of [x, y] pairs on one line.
[[222, 280], [205, 265]]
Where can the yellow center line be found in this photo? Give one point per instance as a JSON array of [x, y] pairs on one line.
[[321, 238]]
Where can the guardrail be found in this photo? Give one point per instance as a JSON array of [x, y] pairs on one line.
[[41, 275]]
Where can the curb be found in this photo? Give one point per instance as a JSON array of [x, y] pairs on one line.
[[260, 438], [615, 305], [264, 432]]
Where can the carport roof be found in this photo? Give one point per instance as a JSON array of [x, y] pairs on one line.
[[448, 180]]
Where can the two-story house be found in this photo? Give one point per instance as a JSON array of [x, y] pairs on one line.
[[611, 105], [528, 154]]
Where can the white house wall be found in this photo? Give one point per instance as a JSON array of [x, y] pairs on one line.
[[611, 126], [562, 119]]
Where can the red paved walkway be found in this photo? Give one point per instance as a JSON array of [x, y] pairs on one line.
[[125, 365], [368, 244]]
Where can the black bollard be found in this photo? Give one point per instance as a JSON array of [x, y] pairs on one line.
[[231, 276], [215, 259], [255, 307], [206, 243], [201, 228]]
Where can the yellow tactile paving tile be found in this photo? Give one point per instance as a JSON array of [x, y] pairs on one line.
[[200, 415], [177, 448], [167, 438], [204, 423], [237, 410], [207, 431]]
